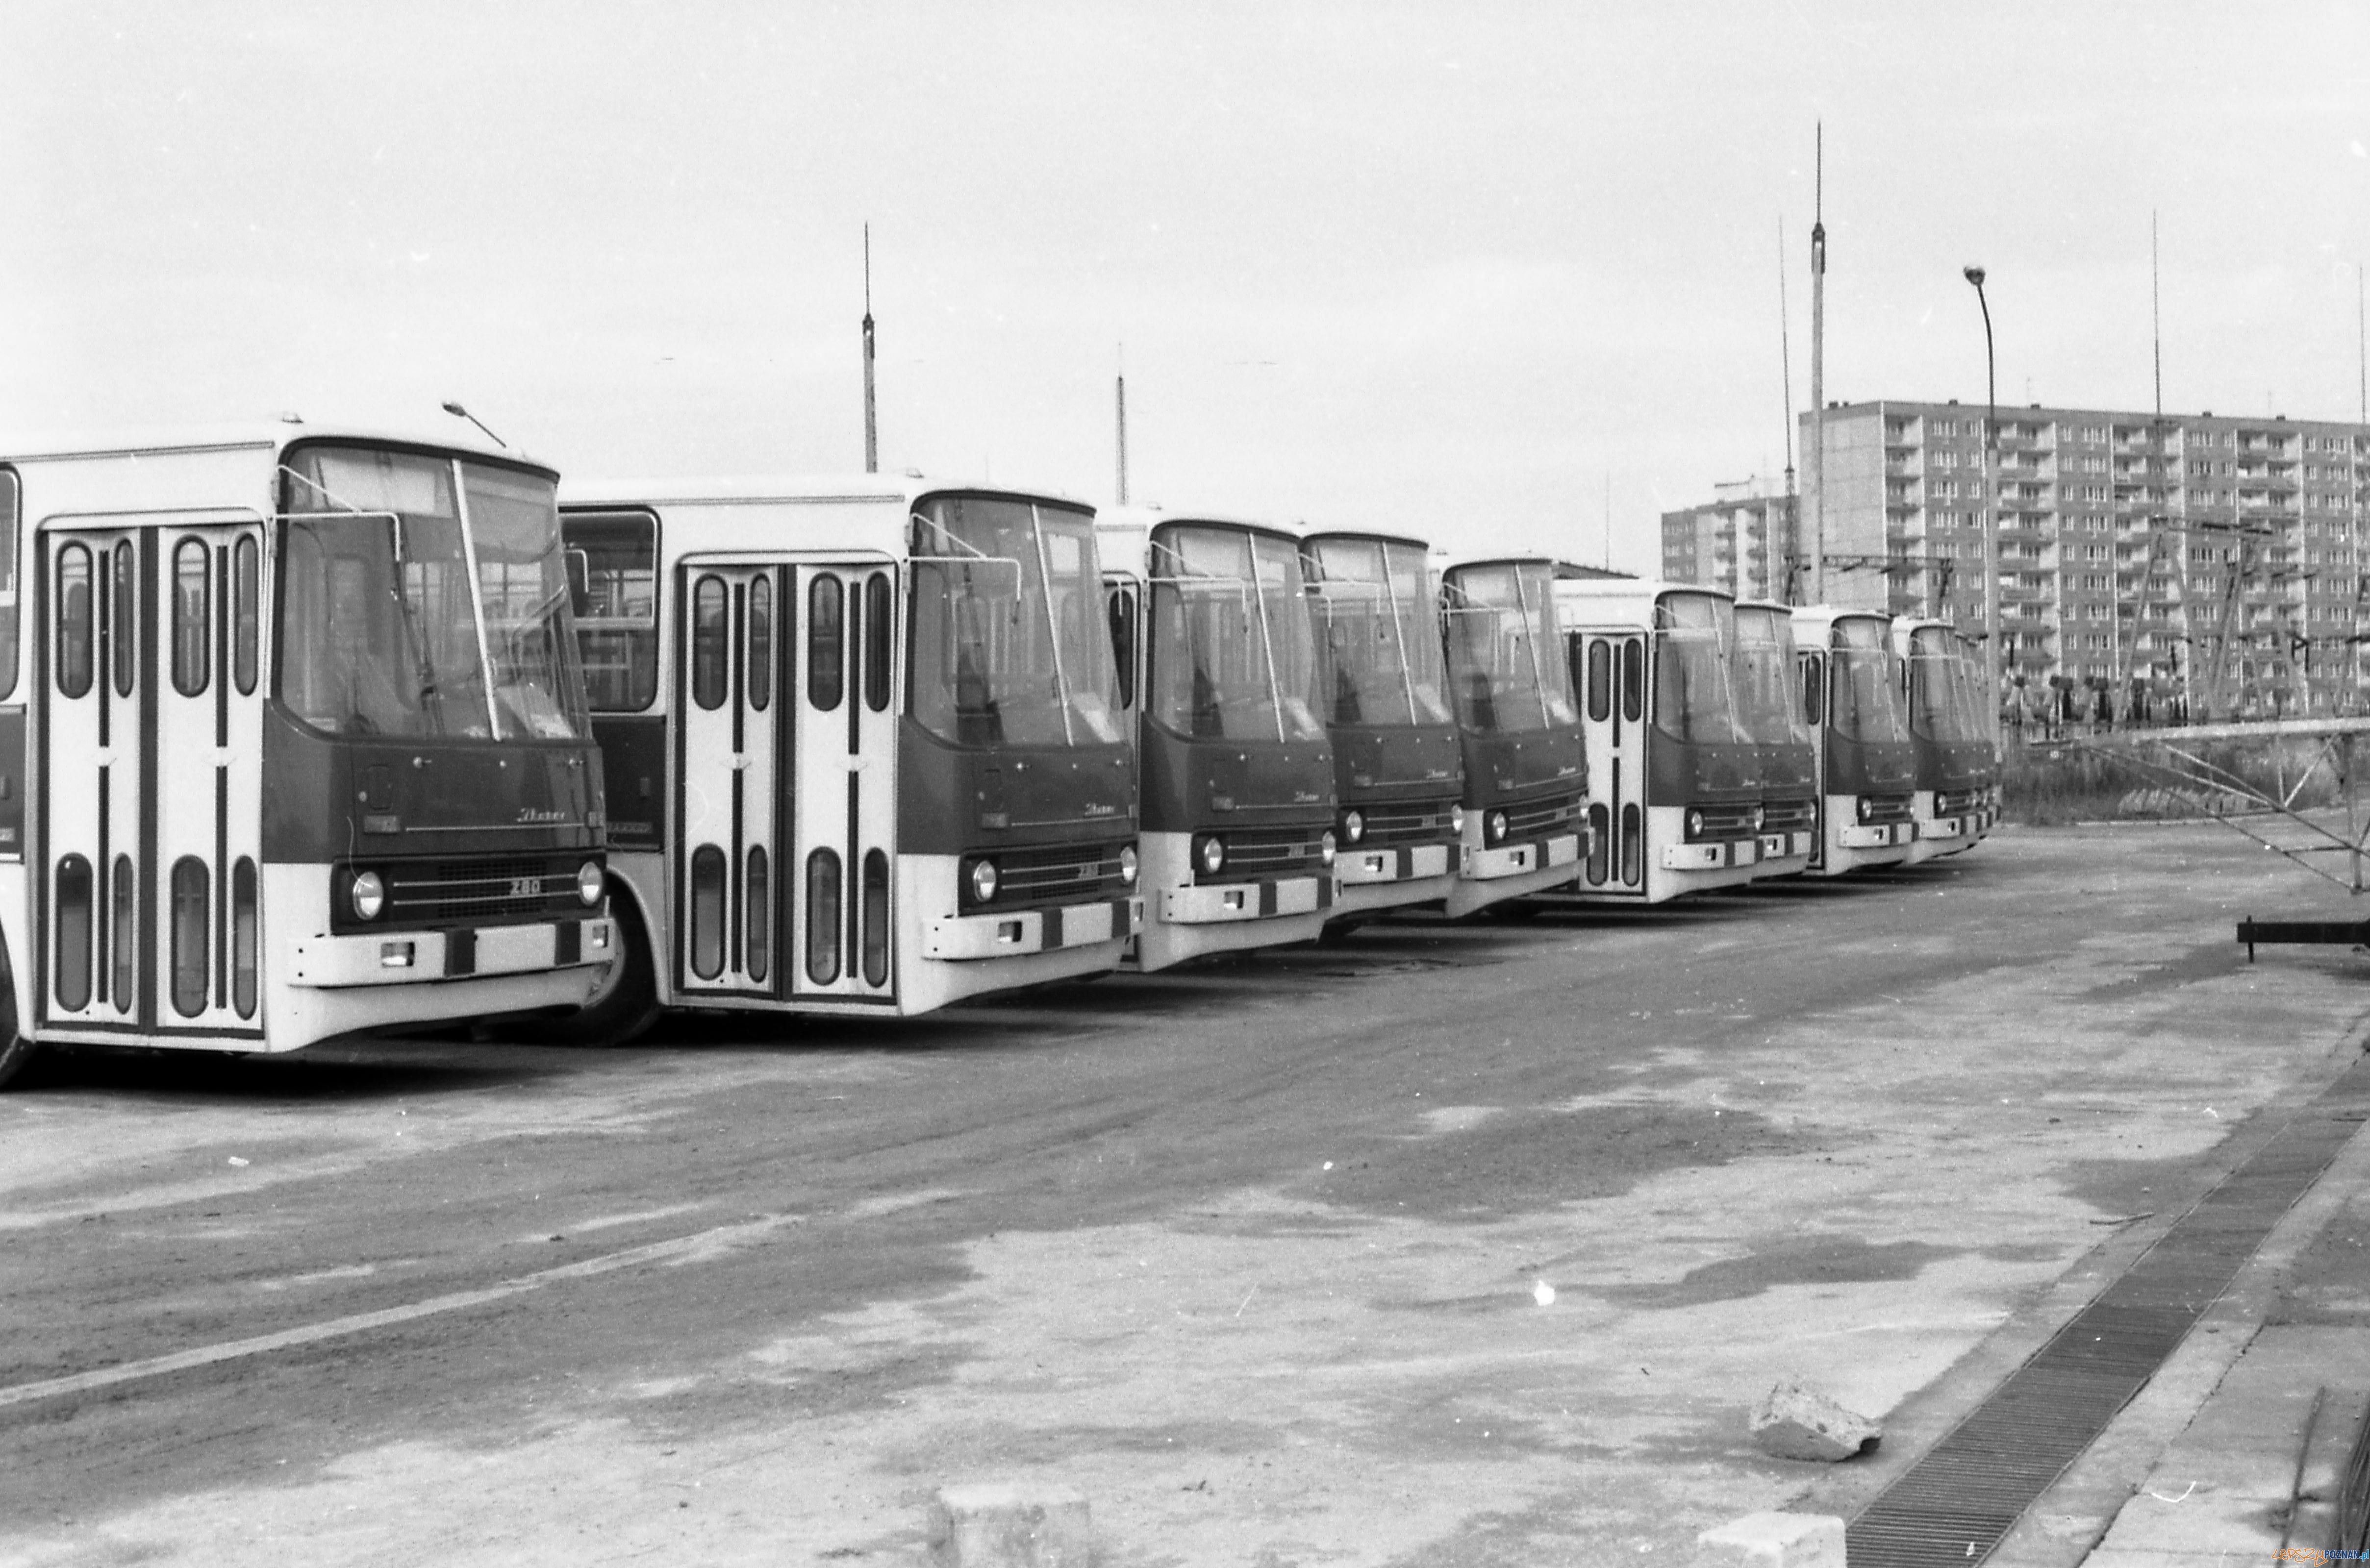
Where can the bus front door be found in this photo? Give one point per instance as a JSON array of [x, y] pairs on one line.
[[727, 896], [150, 661], [846, 793]]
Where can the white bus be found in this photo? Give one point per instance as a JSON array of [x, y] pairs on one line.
[[1867, 769], [1672, 771], [378, 627], [1210, 618], [864, 739]]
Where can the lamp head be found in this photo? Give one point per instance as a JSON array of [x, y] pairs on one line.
[[456, 410], [1974, 276]]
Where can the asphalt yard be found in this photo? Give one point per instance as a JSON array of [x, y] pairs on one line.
[[1444, 1244]]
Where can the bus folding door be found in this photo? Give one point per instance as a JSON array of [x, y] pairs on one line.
[[845, 798], [1611, 676], [731, 770], [150, 659]]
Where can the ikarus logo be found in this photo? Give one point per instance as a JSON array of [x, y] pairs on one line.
[[536, 814]]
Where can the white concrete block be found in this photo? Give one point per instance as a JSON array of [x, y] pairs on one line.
[[1774, 1541], [998, 1526]]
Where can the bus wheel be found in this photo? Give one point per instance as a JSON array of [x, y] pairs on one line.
[[625, 1003]]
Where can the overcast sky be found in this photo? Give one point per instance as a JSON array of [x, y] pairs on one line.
[[1453, 269]]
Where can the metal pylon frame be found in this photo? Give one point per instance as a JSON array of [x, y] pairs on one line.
[[2173, 760]]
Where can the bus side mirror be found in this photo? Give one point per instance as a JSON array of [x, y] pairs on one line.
[[579, 583]]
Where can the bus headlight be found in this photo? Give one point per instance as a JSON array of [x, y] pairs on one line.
[[1326, 848], [982, 881], [1456, 820], [1127, 865], [1210, 854], [1695, 824], [1867, 808], [1760, 818], [368, 894], [589, 883], [1494, 827], [1353, 826]]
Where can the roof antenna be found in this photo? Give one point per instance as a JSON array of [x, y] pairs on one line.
[[458, 412], [871, 422], [1122, 424]]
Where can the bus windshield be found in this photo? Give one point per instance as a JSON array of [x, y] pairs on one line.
[[1502, 637], [1693, 699], [1233, 650], [1867, 704], [1006, 624], [1379, 659], [1940, 702], [384, 628], [1765, 708]]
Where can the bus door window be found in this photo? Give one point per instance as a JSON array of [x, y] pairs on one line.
[[1121, 603], [729, 896]]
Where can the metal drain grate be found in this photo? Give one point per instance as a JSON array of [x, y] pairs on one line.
[[1953, 1505]]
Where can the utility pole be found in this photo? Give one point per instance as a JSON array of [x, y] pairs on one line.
[[1815, 454], [2002, 668], [1793, 541], [872, 424]]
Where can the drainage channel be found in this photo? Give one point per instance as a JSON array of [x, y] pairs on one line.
[[1953, 1505]]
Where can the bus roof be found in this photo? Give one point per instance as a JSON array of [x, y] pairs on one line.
[[1379, 535], [251, 435], [1626, 599], [759, 489]]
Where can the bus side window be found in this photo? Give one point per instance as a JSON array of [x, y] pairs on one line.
[[1600, 679], [1120, 609], [761, 644], [8, 513], [1633, 678], [612, 584], [73, 621], [1810, 691]]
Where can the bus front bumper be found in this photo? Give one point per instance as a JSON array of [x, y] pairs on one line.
[[1514, 859], [1781, 846], [1719, 856], [409, 958], [1218, 902], [1033, 931], [1358, 867], [1876, 835]]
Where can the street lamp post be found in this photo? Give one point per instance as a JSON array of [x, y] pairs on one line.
[[2001, 667]]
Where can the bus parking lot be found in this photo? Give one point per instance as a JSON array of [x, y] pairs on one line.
[[1464, 1244]]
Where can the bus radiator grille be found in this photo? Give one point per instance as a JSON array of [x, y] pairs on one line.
[[1256, 853], [1880, 808], [1790, 815], [1429, 825], [1542, 819], [1059, 873], [481, 891]]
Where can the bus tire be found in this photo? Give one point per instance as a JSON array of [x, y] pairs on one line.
[[626, 1003]]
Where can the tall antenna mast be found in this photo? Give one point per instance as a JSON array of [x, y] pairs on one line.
[[1815, 457], [2362, 342], [1785, 593], [2156, 320], [1122, 424], [871, 423]]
